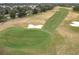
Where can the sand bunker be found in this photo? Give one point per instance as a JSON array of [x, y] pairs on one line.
[[75, 24], [35, 26]]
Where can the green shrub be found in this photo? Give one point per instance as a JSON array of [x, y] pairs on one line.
[[76, 8], [2, 18], [35, 11], [7, 10], [45, 7], [2, 14], [12, 14], [21, 11]]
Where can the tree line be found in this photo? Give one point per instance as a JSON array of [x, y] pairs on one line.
[[18, 11]]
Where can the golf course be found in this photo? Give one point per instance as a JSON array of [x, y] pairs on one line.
[[37, 39], [39, 29]]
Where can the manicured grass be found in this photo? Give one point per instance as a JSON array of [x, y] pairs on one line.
[[55, 20], [24, 38]]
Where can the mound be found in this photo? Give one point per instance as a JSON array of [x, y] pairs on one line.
[[20, 37]]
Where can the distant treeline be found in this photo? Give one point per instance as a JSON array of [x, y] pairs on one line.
[[11, 11], [15, 10], [56, 4]]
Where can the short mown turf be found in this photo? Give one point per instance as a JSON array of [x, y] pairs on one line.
[[55, 20], [20, 37]]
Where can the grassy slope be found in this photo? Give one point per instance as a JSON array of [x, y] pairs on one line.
[[55, 20]]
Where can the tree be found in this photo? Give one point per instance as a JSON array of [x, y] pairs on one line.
[[45, 7], [13, 13], [76, 8], [1, 18], [35, 11], [7, 10], [21, 11], [2, 14]]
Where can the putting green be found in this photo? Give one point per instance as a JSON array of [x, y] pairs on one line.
[[20, 37]]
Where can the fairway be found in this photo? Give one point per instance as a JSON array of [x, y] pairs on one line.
[[55, 20], [22, 38]]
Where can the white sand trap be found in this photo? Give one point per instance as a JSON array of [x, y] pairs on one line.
[[34, 26], [75, 24]]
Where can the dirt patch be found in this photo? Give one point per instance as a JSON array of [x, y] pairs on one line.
[[72, 15]]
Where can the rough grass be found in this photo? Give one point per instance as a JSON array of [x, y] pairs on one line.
[[71, 37], [56, 44], [72, 28], [75, 29]]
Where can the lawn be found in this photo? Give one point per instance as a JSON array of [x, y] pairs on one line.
[[55, 20], [24, 38], [20, 38]]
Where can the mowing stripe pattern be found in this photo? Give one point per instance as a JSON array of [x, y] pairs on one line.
[[55, 20]]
